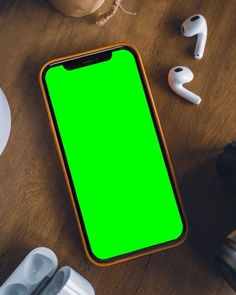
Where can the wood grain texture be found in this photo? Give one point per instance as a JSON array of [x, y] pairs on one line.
[[34, 206]]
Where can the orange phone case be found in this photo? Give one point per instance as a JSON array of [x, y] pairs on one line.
[[59, 151]]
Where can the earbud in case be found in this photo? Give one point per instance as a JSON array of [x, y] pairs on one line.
[[66, 281]]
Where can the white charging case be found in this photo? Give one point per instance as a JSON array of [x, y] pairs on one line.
[[66, 281], [37, 267], [5, 121]]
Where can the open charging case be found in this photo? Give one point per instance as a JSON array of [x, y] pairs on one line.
[[34, 276], [37, 268]]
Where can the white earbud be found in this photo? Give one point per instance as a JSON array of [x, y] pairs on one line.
[[5, 121], [196, 25], [177, 77]]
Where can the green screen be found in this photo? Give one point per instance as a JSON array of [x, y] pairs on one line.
[[114, 156]]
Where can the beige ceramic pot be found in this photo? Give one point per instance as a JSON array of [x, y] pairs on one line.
[[76, 8]]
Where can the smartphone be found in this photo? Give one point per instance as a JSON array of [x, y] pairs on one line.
[[113, 154]]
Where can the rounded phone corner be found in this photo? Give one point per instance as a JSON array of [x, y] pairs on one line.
[[43, 71], [94, 259], [182, 236], [100, 262], [129, 47]]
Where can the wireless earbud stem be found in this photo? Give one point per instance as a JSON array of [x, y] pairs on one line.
[[200, 46], [188, 95]]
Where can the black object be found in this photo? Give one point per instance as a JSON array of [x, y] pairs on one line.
[[226, 260], [226, 167]]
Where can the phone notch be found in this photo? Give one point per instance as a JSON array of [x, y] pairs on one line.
[[82, 61]]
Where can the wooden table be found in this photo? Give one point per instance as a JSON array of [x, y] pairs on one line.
[[34, 205]]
